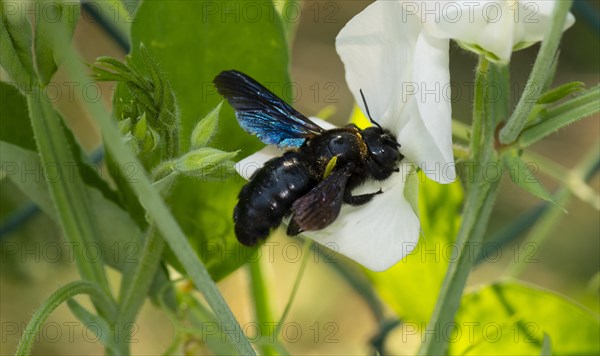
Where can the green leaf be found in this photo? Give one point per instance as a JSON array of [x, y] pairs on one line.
[[56, 299], [95, 324], [206, 128], [14, 125], [68, 194], [50, 15], [411, 287], [584, 105], [256, 46], [523, 177], [15, 45], [511, 318], [560, 92]]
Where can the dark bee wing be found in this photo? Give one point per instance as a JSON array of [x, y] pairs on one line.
[[319, 207], [262, 113]]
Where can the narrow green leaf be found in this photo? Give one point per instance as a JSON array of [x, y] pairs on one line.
[[14, 125], [546, 346], [206, 128], [57, 298], [50, 15], [68, 193], [95, 324], [560, 92], [587, 104], [539, 75], [523, 177], [15, 45]]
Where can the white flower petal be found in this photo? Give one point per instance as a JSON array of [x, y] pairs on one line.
[[432, 72], [378, 234], [488, 24], [252, 163], [534, 19], [376, 47], [417, 142], [389, 57]]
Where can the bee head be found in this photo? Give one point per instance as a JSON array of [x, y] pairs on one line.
[[383, 147]]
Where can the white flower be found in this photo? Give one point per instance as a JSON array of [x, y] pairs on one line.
[[494, 28], [404, 75]]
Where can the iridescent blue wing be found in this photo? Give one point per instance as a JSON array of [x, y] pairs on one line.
[[262, 113]]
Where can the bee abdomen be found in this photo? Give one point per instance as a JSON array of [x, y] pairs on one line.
[[269, 196]]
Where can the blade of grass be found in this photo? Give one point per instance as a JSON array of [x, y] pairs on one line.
[[57, 298], [67, 191]]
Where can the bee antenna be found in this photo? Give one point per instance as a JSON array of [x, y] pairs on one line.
[[367, 108]]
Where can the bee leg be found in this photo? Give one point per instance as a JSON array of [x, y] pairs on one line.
[[293, 228], [357, 200]]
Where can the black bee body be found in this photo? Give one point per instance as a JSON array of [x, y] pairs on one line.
[[311, 181], [269, 196]]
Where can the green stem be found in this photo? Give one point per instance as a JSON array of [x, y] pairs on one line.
[[264, 314], [481, 194], [57, 298], [158, 211], [553, 214], [477, 213], [288, 306], [135, 285], [479, 105], [539, 75]]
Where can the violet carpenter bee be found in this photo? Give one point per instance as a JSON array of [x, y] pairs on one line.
[[315, 176]]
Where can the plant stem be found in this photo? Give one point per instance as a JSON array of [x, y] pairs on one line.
[[477, 212], [481, 194], [136, 284], [264, 314], [539, 74], [57, 298], [288, 306], [478, 105]]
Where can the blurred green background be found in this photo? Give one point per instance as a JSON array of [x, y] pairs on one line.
[[332, 317]]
